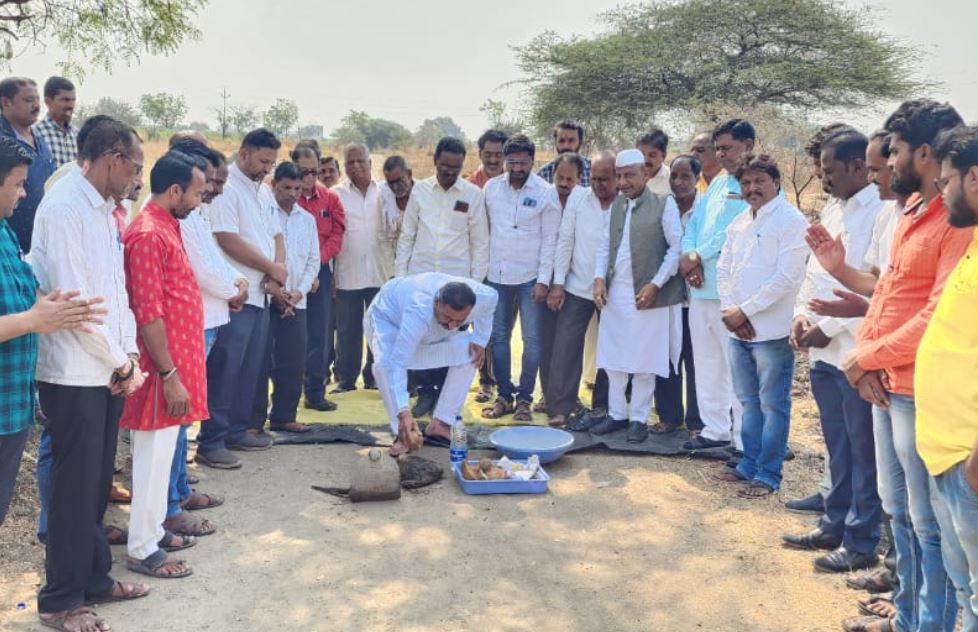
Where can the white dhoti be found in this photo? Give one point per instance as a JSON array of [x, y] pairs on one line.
[[439, 348], [591, 351]]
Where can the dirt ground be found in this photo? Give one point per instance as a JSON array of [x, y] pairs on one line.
[[623, 543]]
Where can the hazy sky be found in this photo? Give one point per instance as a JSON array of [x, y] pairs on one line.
[[408, 61]]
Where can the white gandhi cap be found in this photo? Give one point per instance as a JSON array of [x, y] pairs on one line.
[[629, 157]]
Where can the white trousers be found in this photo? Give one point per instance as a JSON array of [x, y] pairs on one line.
[[640, 405], [591, 351], [152, 456], [714, 383], [450, 398]]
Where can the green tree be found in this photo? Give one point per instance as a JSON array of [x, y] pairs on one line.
[[660, 58], [163, 110], [98, 32], [500, 117], [433, 130], [243, 118], [115, 108], [282, 116], [375, 133]]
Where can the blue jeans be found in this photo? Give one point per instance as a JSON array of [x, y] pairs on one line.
[[852, 506], [956, 505], [924, 600], [502, 330], [762, 382]]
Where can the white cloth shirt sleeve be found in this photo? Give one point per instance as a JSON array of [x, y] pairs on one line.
[[724, 273], [479, 239], [215, 276], [604, 251], [672, 226], [550, 224], [311, 269], [790, 267], [405, 242], [411, 330], [564, 250]]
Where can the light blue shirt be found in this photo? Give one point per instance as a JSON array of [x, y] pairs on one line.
[[707, 229]]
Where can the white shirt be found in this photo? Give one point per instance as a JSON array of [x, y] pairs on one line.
[[214, 274], [581, 229], [660, 182], [444, 231], [242, 210], [301, 250], [366, 259], [523, 227], [672, 228], [854, 219], [403, 319], [878, 254], [762, 266], [77, 247]]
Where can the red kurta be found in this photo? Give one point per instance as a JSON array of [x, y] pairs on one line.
[[327, 208], [161, 284]]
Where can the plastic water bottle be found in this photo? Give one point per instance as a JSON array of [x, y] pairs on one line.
[[459, 450]]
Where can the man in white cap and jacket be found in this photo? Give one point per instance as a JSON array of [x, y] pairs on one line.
[[636, 287]]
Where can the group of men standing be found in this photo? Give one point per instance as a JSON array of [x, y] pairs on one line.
[[703, 280]]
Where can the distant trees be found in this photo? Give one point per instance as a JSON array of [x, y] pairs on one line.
[[282, 116], [163, 110], [434, 129], [660, 58], [243, 118], [375, 133], [115, 108]]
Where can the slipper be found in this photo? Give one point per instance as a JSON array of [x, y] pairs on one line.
[[292, 426], [183, 524], [662, 428], [151, 566], [116, 536], [437, 442], [128, 592], [755, 490], [865, 606], [59, 620], [212, 500], [167, 542]]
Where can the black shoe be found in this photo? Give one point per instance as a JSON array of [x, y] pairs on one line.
[[370, 386], [584, 421], [789, 454], [843, 560], [637, 432], [810, 504], [699, 442], [607, 425], [425, 404], [323, 405], [342, 388], [812, 540]]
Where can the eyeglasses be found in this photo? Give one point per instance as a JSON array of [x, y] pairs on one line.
[[127, 158], [941, 183]]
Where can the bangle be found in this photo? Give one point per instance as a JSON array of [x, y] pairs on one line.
[[165, 375]]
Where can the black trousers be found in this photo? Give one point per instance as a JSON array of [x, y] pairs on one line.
[[283, 363], [350, 306], [547, 332], [11, 449], [83, 423], [319, 308], [567, 359], [669, 391]]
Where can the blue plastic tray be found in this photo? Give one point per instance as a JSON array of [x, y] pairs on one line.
[[537, 485]]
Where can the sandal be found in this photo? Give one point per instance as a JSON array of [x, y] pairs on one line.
[[155, 564], [184, 524], [199, 500], [522, 412], [115, 536], [754, 490], [873, 584], [484, 394], [120, 591], [167, 543], [292, 426], [662, 428], [192, 480], [59, 620], [499, 408], [728, 475], [877, 607]]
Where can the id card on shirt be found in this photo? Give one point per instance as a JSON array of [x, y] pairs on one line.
[[529, 202], [461, 207]]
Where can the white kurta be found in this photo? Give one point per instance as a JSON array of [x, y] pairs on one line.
[[631, 340]]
